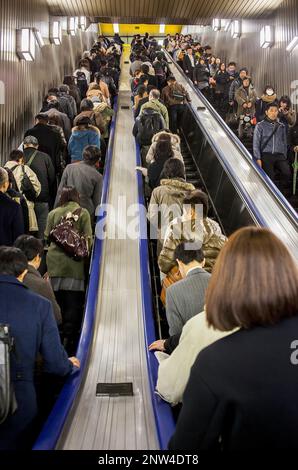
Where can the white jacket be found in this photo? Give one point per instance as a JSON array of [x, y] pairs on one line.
[[174, 370]]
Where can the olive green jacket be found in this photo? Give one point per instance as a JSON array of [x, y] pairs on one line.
[[58, 262], [158, 107]]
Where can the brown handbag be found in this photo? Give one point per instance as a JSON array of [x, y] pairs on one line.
[[68, 238], [173, 276]]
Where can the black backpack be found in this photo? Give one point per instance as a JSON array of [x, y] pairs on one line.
[[149, 126], [82, 84], [8, 403], [27, 188]]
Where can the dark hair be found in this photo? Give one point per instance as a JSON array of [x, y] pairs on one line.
[[274, 104], [86, 105], [186, 256], [53, 91], [143, 79], [16, 155], [163, 150], [91, 154], [141, 90], [171, 78], [164, 136], [285, 99], [56, 120], [12, 261], [232, 63], [29, 245], [266, 88], [173, 168], [197, 197], [253, 260], [145, 69], [69, 80], [42, 116], [69, 194]]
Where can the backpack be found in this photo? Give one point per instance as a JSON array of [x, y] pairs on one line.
[[8, 403], [149, 126], [159, 69], [27, 188]]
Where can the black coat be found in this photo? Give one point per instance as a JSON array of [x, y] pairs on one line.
[[187, 66], [11, 220], [243, 389], [44, 170], [48, 142], [201, 73]]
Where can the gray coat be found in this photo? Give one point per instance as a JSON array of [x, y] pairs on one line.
[[277, 143], [185, 299], [87, 181]]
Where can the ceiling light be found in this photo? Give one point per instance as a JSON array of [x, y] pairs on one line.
[[162, 28], [236, 29], [292, 44], [266, 36], [55, 33], [116, 28], [71, 26], [216, 24], [25, 44]]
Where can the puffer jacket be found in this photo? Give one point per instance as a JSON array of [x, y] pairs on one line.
[[168, 199], [245, 95], [81, 138], [278, 142], [175, 141], [209, 237]]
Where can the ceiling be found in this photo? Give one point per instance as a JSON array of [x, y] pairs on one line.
[[163, 11]]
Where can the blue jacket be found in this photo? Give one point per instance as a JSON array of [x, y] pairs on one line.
[[277, 144], [34, 330], [80, 139], [11, 220]]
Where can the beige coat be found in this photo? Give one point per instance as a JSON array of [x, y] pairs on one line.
[[18, 175], [174, 370], [175, 141]]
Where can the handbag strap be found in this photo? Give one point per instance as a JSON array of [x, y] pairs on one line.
[[270, 137]]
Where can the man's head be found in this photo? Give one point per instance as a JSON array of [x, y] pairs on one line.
[[197, 203], [189, 255], [30, 141], [154, 94], [243, 73], [272, 111], [189, 50], [13, 262], [32, 249], [246, 82], [171, 80], [4, 180], [17, 156], [86, 105], [41, 118], [91, 155], [231, 67], [64, 89]]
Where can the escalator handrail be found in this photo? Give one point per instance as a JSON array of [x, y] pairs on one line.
[[52, 429], [269, 183]]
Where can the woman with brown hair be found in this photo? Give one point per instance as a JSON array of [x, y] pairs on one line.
[[67, 275], [242, 391]]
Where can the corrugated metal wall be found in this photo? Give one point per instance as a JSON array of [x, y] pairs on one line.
[[274, 65], [25, 83]]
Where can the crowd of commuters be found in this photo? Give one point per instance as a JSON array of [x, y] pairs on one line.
[[54, 178], [220, 306], [266, 124]]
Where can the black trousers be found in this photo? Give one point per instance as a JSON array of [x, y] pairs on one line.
[[176, 115], [276, 161], [71, 304]]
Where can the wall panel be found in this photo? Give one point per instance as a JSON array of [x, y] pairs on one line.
[[25, 83]]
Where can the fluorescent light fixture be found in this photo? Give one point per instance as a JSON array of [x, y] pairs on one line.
[[56, 33], [38, 37], [162, 28], [26, 44], [160, 42], [266, 36], [236, 29], [71, 26], [216, 24], [116, 27], [82, 23], [293, 44]]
